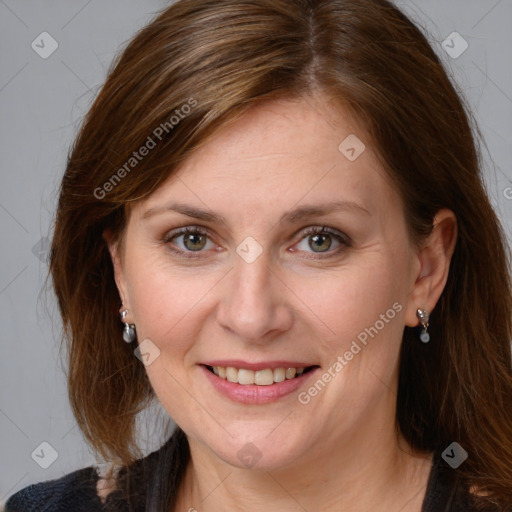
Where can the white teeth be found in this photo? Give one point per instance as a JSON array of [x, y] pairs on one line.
[[232, 374], [290, 373], [279, 375], [264, 377], [245, 377]]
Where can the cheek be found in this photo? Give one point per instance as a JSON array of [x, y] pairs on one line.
[[167, 302], [168, 309], [360, 312], [355, 298]]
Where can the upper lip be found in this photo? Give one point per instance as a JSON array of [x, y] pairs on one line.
[[263, 365]]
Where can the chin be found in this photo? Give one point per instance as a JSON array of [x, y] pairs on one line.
[[261, 451]]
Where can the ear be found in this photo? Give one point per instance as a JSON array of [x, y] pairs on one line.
[[116, 256], [434, 258]]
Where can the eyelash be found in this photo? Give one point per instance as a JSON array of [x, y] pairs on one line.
[[343, 239]]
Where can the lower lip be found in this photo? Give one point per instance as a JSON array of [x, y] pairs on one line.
[[254, 394]]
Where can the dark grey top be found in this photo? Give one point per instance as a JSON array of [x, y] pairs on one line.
[[76, 492]]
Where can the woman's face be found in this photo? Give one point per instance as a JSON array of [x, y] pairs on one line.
[[300, 259]]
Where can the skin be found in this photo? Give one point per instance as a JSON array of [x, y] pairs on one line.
[[341, 451]]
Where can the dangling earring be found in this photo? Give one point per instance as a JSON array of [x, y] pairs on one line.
[[129, 333], [424, 316]]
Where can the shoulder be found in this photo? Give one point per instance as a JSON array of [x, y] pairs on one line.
[[94, 488], [75, 491], [447, 492]]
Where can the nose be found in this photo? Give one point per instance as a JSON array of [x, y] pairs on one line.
[[255, 302]]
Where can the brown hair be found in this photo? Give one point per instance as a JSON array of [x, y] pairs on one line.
[[221, 58]]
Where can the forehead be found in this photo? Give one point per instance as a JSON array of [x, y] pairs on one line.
[[279, 154], [280, 131]]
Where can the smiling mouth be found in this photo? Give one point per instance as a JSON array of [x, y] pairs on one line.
[[265, 377]]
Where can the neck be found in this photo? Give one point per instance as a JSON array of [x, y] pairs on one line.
[[376, 472]]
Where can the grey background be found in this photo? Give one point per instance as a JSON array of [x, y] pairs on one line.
[[41, 104]]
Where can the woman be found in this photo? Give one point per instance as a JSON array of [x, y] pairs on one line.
[[278, 206]]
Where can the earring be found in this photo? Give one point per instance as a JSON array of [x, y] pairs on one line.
[[129, 329], [424, 316]]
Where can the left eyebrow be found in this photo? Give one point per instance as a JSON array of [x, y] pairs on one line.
[[304, 212]]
